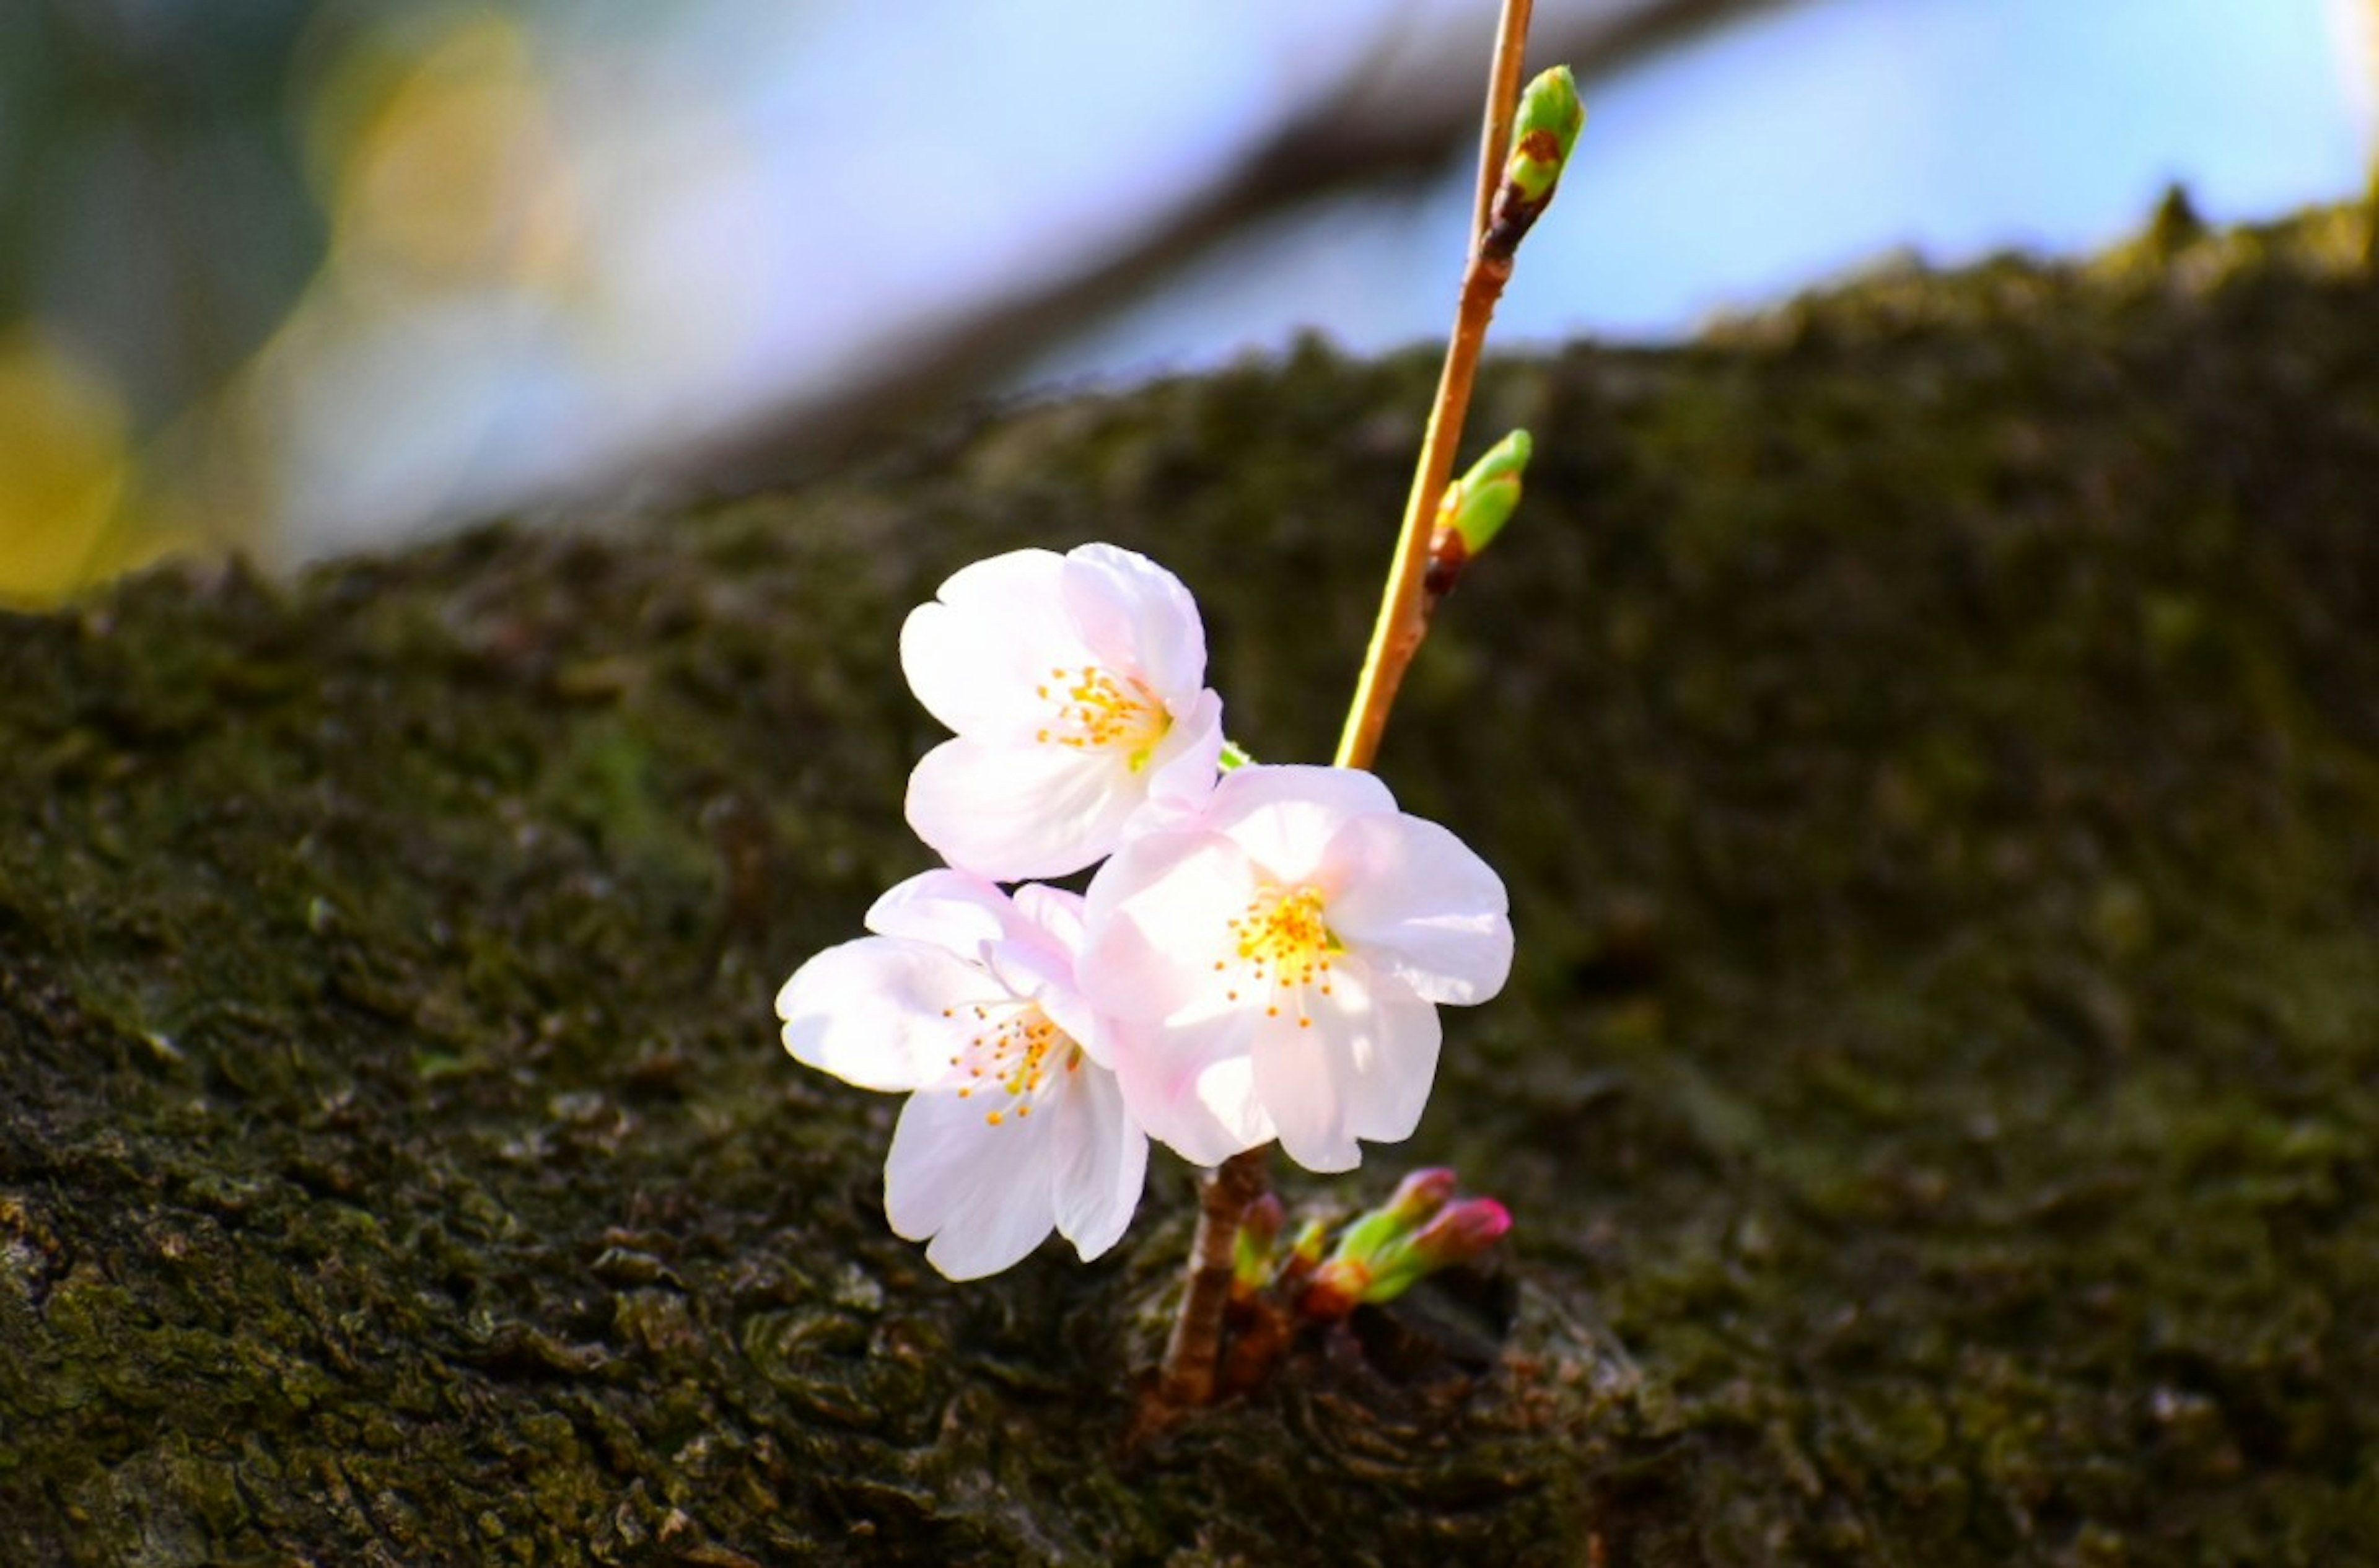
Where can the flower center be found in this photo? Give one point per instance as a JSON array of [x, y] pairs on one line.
[[1096, 711], [1281, 943], [1013, 1056]]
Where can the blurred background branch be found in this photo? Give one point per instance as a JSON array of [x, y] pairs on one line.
[[1407, 112]]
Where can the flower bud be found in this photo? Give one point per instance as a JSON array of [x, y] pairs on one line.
[[1416, 1198], [1459, 1232]]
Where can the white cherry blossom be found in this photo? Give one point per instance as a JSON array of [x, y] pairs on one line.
[[1274, 969], [1076, 684], [1015, 1125]]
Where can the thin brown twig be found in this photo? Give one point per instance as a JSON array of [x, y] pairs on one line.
[[1503, 102], [1193, 1351], [1396, 635]]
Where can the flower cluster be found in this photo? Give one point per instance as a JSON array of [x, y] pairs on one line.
[[1260, 955]]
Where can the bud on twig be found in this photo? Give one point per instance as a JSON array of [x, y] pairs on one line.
[[1474, 509], [1414, 1234], [1542, 134], [1459, 1232]]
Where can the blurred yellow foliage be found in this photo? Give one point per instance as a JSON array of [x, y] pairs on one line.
[[438, 160], [64, 468]]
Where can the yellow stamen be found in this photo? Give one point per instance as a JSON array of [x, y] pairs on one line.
[[1016, 1053], [1097, 711], [1285, 944]]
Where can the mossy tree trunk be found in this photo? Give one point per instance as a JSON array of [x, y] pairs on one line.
[[1932, 736]]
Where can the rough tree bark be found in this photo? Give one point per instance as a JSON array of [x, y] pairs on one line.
[[1932, 735]]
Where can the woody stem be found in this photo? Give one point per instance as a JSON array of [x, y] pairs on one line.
[[1193, 1350]]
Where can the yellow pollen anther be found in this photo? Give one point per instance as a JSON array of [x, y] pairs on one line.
[[1018, 1054], [1281, 943], [1097, 711]]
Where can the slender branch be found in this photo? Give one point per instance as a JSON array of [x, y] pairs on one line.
[[1193, 1352], [1503, 98], [1403, 620]]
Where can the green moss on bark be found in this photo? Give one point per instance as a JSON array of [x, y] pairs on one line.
[[1932, 735]]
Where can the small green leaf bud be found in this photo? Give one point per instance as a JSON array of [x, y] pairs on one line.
[[1542, 134], [1474, 509], [1251, 1249]]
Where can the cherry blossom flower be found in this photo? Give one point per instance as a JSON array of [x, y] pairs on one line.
[[1076, 685], [967, 998], [1274, 969]]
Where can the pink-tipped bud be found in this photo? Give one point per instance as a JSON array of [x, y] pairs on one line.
[[1459, 1232], [1415, 1199]]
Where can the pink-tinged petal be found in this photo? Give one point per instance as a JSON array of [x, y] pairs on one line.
[[1038, 962], [1360, 1068], [952, 910], [1285, 816], [1415, 900], [979, 1192], [1182, 772], [1188, 1082], [1101, 1161], [870, 1011], [1136, 617], [1399, 1065], [1054, 913], [1010, 813], [1156, 922], [975, 655]]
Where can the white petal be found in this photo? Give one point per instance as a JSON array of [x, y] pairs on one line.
[[952, 910], [1190, 1084], [1183, 770], [1041, 963], [870, 1011], [1136, 617], [1414, 899], [1053, 911], [979, 1192], [1362, 1068], [975, 655], [1155, 923], [1010, 813], [1398, 1064], [1101, 1161], [1285, 816]]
